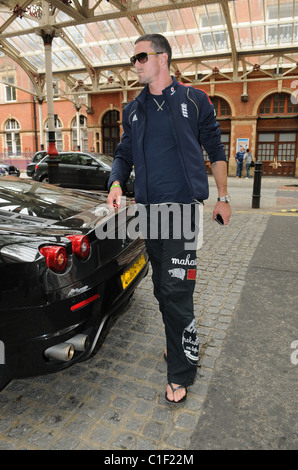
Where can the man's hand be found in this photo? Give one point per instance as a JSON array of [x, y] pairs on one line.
[[219, 170], [115, 194], [223, 209]]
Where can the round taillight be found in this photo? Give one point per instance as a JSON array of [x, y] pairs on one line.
[[80, 245], [56, 257]]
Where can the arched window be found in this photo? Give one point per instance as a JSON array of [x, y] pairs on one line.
[[276, 104], [221, 106], [12, 137], [83, 134], [110, 132], [223, 113], [58, 134]]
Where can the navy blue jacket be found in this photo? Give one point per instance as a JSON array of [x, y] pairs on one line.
[[193, 120]]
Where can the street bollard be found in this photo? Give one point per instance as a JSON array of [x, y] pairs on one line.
[[256, 195]]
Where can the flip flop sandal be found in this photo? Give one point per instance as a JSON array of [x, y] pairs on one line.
[[172, 402]]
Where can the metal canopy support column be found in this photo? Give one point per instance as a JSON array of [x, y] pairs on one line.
[[40, 124], [78, 127], [52, 150], [226, 12]]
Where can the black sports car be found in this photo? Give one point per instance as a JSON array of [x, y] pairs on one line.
[[61, 279]]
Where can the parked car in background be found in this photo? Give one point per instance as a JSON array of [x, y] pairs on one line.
[[81, 170], [9, 169], [36, 158], [61, 282]]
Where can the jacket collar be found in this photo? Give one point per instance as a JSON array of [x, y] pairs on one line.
[[168, 90]]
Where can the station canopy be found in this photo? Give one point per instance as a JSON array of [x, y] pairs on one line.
[[92, 41]]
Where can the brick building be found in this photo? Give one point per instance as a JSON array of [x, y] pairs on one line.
[[244, 54]]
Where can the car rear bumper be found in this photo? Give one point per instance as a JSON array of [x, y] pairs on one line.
[[33, 330]]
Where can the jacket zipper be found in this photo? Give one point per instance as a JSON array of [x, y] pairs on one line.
[[178, 145], [140, 105]]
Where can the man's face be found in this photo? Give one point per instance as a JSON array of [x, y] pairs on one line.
[[150, 70]]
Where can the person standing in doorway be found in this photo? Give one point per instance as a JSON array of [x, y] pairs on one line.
[[247, 159], [164, 128], [239, 159]]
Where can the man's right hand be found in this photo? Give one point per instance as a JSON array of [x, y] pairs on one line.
[[115, 194]]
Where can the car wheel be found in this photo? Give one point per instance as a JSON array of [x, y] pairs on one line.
[[44, 179]]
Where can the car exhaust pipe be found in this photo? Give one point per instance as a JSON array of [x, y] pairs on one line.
[[60, 352], [80, 342]]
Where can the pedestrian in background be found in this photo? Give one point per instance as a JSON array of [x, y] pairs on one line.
[[239, 159], [247, 160]]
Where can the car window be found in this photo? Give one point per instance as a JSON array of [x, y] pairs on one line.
[[105, 161], [38, 157], [68, 158], [84, 159]]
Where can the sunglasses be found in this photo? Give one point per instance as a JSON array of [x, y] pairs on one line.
[[142, 57]]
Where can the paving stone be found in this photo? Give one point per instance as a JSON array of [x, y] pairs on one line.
[[41, 439], [125, 441], [66, 443], [153, 430]]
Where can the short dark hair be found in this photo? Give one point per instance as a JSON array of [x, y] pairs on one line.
[[159, 44]]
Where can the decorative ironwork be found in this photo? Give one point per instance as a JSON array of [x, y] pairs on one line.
[[18, 11]]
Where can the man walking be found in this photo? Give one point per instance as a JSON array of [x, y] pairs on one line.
[[164, 128]]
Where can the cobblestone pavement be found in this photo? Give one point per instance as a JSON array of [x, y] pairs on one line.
[[116, 400]]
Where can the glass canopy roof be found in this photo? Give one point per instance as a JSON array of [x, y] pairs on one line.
[[93, 40]]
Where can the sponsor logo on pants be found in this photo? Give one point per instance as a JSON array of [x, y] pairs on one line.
[[190, 343]]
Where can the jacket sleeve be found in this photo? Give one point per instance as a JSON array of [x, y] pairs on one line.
[[209, 130], [123, 159]]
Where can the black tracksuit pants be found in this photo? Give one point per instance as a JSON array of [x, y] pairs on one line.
[[173, 276]]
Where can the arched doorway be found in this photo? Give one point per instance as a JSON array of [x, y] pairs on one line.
[[277, 139], [110, 132]]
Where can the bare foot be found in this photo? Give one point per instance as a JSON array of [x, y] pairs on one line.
[[175, 392]]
